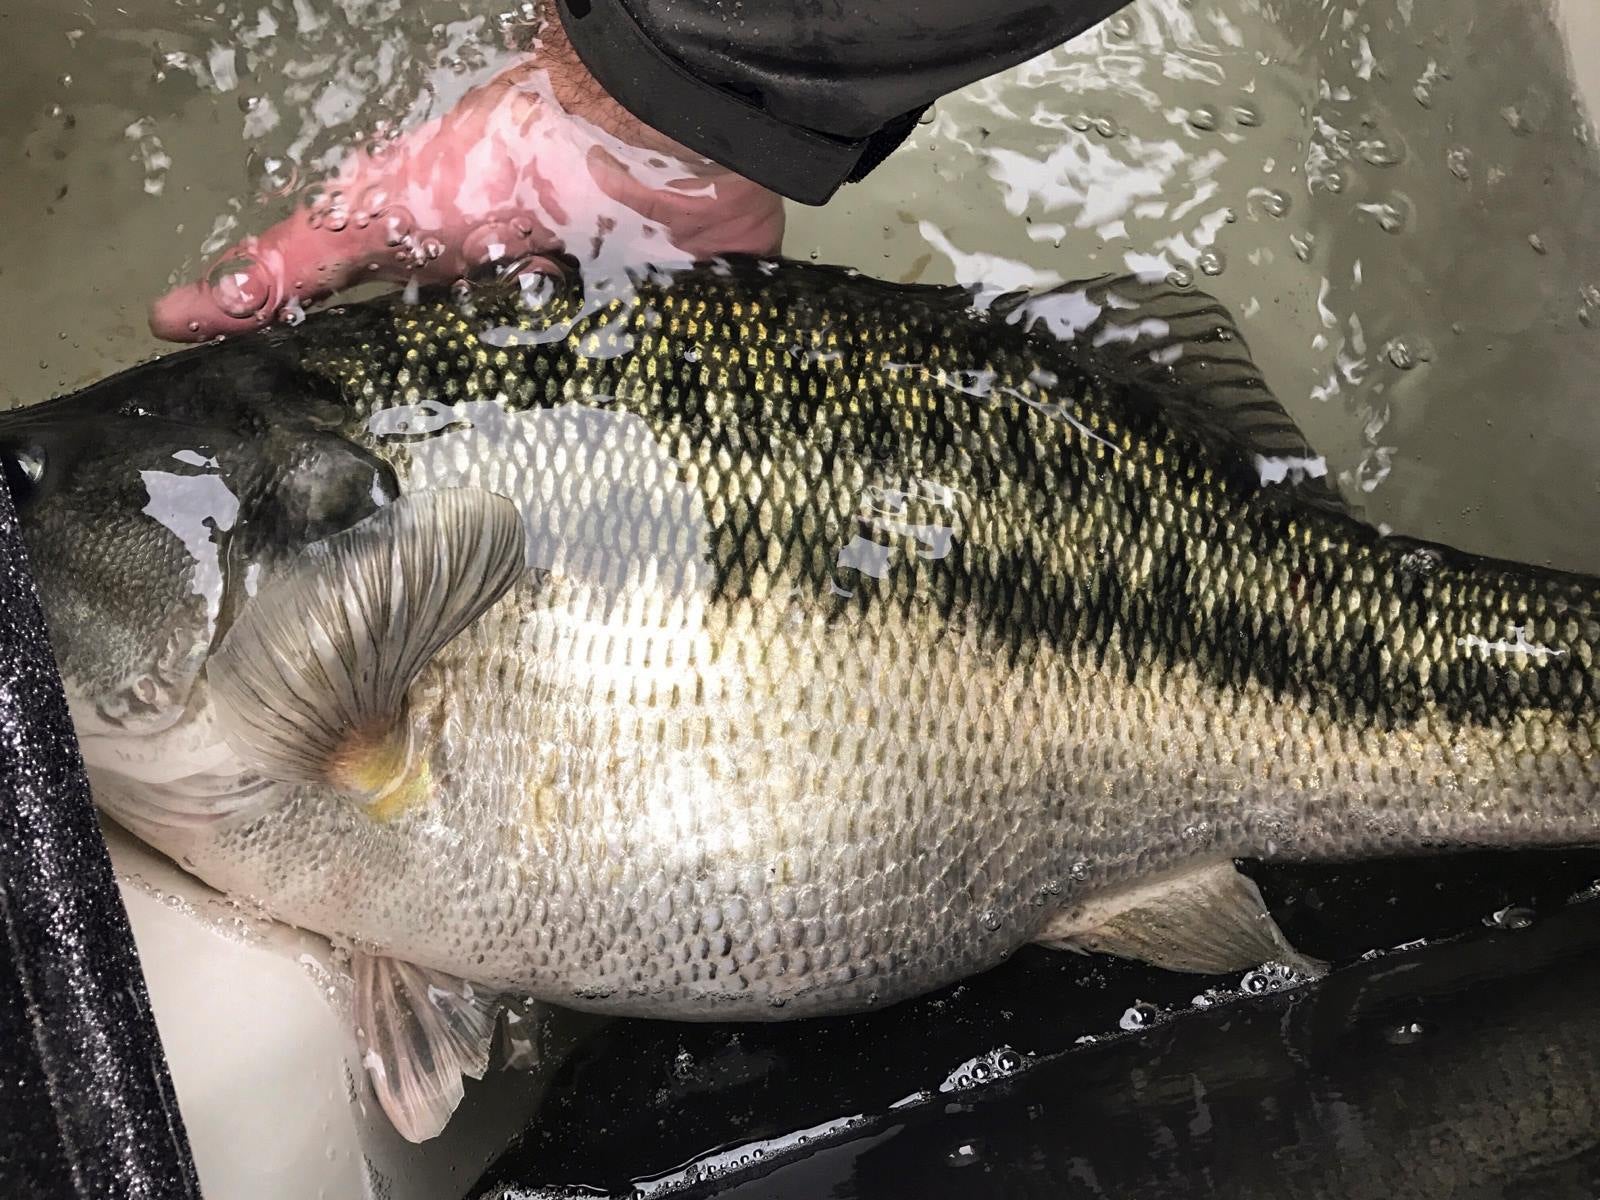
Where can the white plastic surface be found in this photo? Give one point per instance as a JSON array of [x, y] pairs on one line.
[[264, 1060]]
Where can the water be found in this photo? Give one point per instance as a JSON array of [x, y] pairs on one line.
[[1400, 201]]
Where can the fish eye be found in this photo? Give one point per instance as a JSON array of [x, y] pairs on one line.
[[24, 469]]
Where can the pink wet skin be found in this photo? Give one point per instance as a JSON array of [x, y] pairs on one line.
[[538, 161]]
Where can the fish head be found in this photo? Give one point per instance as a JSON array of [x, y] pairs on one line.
[[150, 503]]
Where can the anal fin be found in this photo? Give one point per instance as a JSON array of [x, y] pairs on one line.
[[1207, 919], [420, 1031]]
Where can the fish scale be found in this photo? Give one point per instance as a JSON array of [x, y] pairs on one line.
[[985, 720], [867, 633]]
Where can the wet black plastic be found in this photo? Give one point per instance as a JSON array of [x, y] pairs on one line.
[[86, 1105], [1332, 1090], [805, 97]]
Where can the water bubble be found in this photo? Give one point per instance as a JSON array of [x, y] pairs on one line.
[[1007, 1061], [1459, 160], [1270, 977], [1537, 243], [1140, 1015], [1081, 124], [66, 81], [1391, 216], [1517, 120], [1105, 127], [965, 1154], [1404, 1034], [1334, 181], [237, 287], [492, 242], [982, 1072], [1211, 261], [1120, 26], [397, 226], [990, 919], [292, 312], [683, 1064], [1513, 916], [1379, 152], [1405, 353], [1203, 118], [1275, 203], [1424, 95], [1080, 869], [1305, 245], [1246, 115], [1181, 277], [273, 175]]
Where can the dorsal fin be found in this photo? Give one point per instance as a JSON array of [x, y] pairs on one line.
[[1182, 349]]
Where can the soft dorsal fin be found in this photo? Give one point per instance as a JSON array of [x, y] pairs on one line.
[[1184, 351], [310, 683]]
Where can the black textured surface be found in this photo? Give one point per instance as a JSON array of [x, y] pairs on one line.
[[86, 1105]]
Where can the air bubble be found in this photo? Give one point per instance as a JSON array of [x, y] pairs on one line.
[[1459, 160], [1405, 1034], [1305, 245], [1203, 118], [1275, 203], [1105, 127], [1181, 277], [491, 243], [965, 1154], [271, 174], [237, 287], [1537, 243], [1406, 353], [1246, 115], [1379, 152], [1211, 261], [1140, 1015], [1120, 27], [1513, 916], [1270, 977], [990, 919]]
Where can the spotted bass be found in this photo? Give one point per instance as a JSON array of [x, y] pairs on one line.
[[762, 641]]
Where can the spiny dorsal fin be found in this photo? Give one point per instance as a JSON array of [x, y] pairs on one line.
[[310, 682], [1181, 349]]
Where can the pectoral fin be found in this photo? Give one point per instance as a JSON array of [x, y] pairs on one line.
[[1208, 919], [310, 683], [419, 1032]]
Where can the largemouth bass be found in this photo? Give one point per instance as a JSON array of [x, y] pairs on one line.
[[763, 641]]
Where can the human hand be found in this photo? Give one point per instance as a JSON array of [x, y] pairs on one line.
[[538, 161]]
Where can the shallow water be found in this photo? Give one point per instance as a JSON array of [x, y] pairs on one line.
[[1399, 200]]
